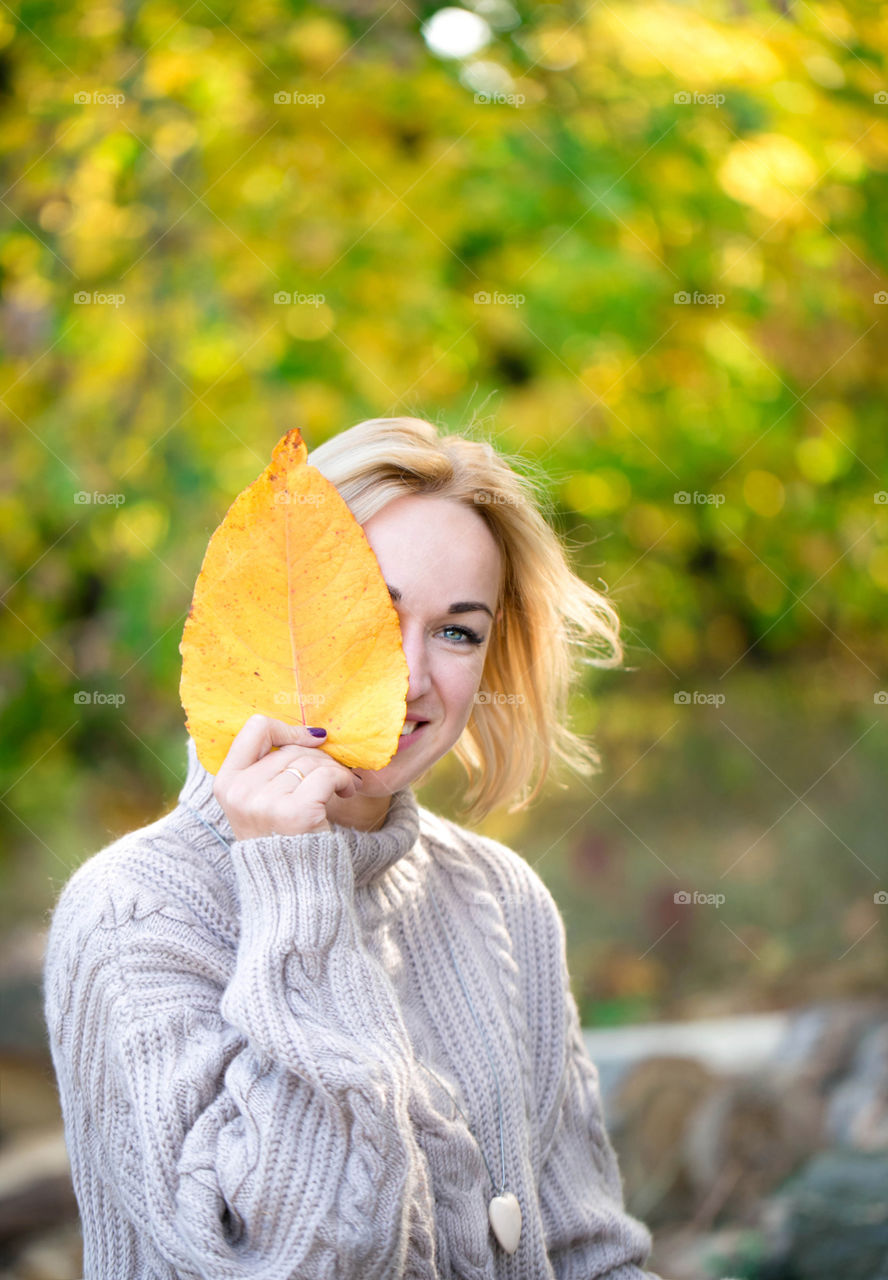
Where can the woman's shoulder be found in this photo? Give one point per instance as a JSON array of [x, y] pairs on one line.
[[508, 875], [152, 868]]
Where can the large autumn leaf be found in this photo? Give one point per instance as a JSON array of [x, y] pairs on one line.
[[291, 618]]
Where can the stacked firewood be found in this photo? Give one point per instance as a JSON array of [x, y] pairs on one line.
[[796, 1153]]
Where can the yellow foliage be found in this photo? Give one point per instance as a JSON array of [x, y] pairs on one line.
[[772, 173], [291, 618]]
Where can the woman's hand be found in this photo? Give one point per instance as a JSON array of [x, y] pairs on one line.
[[261, 798]]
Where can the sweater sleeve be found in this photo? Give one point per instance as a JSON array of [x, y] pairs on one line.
[[253, 1124], [589, 1234]]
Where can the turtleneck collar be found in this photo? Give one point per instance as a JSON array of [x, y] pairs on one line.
[[372, 852]]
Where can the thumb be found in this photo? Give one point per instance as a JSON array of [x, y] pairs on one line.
[[262, 734]]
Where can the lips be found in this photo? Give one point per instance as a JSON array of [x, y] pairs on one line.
[[407, 738], [414, 724]]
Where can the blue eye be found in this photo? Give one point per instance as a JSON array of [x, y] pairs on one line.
[[471, 637]]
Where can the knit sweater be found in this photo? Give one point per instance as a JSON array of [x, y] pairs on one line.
[[237, 1035]]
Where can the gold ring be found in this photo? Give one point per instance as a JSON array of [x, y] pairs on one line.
[[299, 774]]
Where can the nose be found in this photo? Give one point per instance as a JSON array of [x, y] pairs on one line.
[[413, 642]]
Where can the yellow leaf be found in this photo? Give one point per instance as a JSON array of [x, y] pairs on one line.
[[291, 618]]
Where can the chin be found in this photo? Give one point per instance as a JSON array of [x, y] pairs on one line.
[[391, 778], [376, 782]]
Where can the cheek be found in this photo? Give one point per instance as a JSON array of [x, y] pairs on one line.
[[462, 684], [456, 675]]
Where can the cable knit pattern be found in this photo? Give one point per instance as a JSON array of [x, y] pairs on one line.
[[239, 1036]]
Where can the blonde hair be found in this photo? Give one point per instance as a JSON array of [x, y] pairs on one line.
[[551, 619]]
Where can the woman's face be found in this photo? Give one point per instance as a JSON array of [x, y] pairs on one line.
[[442, 566]]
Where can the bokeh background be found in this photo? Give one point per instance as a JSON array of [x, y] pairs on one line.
[[641, 248]]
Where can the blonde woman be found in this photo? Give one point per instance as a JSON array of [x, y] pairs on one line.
[[302, 1026]]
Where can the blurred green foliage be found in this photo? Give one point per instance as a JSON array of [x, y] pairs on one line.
[[641, 245]]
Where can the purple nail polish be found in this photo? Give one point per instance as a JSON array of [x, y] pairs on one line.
[[318, 733]]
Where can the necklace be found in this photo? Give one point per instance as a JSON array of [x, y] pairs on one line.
[[503, 1210]]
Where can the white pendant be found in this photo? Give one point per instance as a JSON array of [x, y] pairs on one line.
[[505, 1218]]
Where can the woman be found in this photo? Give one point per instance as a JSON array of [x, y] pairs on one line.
[[302, 1026]]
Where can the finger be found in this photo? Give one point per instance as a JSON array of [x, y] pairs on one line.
[[336, 778], [305, 806], [273, 764], [257, 738], [276, 763]]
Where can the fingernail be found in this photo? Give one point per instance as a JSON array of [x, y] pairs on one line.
[[318, 733]]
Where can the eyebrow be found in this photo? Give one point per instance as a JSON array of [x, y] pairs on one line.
[[461, 606]]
